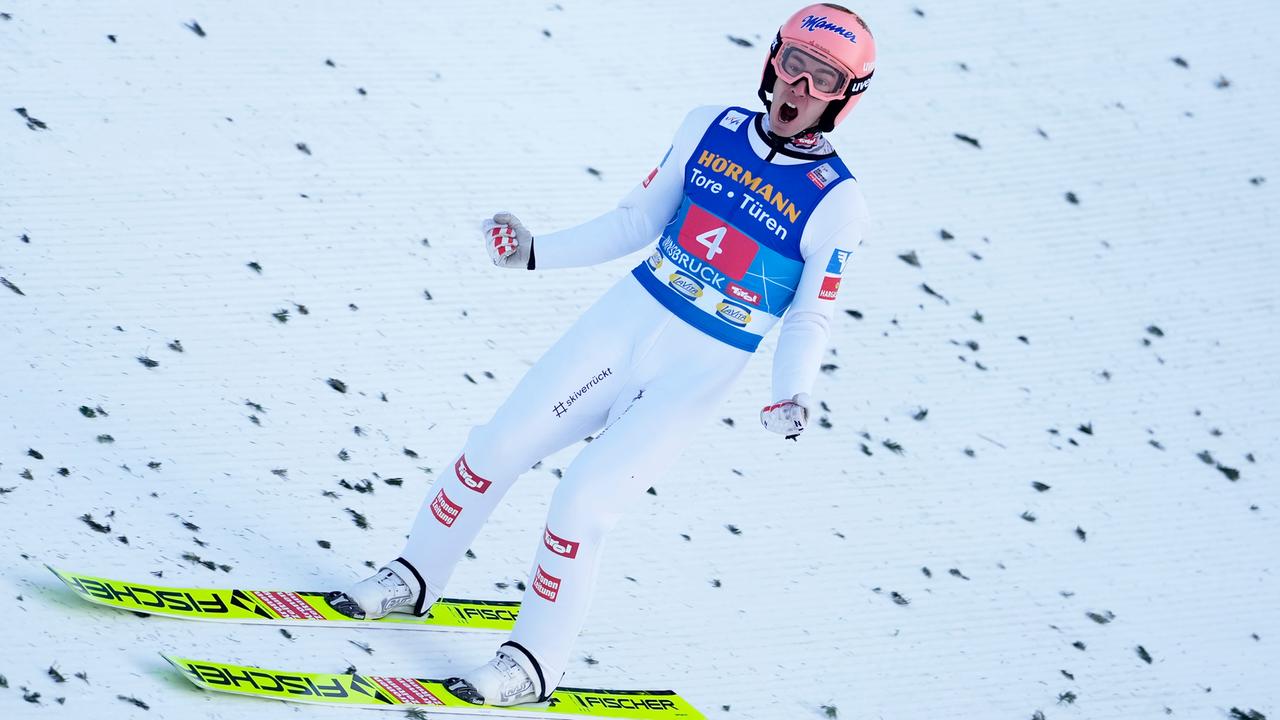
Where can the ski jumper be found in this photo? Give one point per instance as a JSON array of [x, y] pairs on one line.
[[748, 233]]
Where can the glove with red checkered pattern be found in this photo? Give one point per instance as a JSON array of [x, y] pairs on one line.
[[508, 241], [787, 417]]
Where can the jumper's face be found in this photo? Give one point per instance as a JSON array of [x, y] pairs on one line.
[[793, 110]]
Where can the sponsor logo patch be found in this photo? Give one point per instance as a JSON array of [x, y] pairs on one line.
[[733, 313], [732, 120], [547, 586], [743, 294], [655, 260], [813, 23], [685, 285], [444, 509], [835, 265], [835, 268], [823, 175], [830, 287], [469, 478], [807, 141], [560, 546]]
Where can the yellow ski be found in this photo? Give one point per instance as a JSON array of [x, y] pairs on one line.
[[281, 607], [428, 696]]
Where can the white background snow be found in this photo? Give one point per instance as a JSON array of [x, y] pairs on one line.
[[1121, 350]]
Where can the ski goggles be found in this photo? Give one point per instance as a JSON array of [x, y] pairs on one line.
[[828, 80]]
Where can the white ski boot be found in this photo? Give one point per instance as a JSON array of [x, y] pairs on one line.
[[510, 678], [389, 590]]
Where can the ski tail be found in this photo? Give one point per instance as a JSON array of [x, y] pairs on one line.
[[400, 693]]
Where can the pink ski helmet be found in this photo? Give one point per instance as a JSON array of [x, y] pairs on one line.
[[832, 48]]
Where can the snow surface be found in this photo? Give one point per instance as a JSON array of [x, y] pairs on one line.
[[1120, 350]]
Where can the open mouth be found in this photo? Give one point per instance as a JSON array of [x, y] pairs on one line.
[[787, 112]]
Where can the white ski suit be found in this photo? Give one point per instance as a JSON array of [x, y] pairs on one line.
[[749, 231]]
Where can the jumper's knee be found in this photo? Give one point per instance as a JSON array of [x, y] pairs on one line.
[[586, 505], [492, 453]]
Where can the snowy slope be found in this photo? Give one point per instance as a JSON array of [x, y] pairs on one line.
[[1120, 349]]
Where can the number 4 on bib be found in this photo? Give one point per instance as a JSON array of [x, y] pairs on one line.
[[707, 237], [711, 240]]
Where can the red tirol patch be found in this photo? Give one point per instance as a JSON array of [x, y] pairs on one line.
[[743, 294], [710, 239], [807, 141], [467, 477], [445, 510], [560, 546], [547, 586]]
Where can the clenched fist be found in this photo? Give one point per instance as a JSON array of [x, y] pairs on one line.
[[508, 242]]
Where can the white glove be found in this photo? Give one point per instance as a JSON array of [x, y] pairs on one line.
[[508, 241], [787, 417]]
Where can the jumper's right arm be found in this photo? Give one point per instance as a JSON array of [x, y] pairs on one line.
[[639, 216]]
